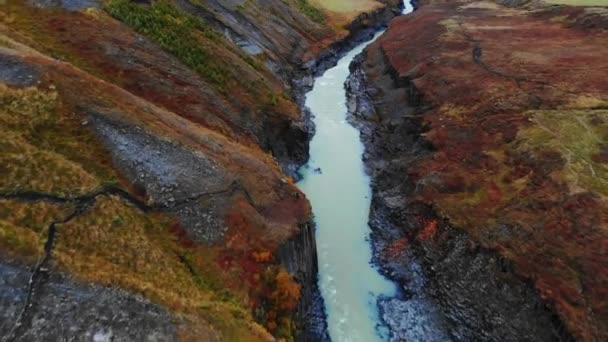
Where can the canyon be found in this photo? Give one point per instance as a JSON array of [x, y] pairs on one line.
[[153, 154]]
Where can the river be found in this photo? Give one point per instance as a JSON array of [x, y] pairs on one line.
[[339, 190]]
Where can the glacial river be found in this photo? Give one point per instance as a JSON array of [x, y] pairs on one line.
[[336, 184]]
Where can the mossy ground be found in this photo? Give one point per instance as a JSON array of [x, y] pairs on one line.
[[312, 11], [195, 44], [580, 137]]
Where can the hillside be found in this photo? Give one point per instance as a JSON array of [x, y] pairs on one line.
[[145, 189]]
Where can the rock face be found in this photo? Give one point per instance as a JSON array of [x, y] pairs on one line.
[[144, 164], [485, 127], [66, 310]]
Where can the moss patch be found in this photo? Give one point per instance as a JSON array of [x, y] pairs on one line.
[[311, 11], [580, 137], [205, 51], [178, 33]]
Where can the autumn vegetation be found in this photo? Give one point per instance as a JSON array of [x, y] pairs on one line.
[[514, 135], [155, 69]]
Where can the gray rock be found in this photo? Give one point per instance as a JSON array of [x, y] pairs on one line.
[[64, 310], [70, 5], [15, 72]]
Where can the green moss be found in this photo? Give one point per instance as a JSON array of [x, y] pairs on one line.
[[579, 136], [176, 32], [310, 11]]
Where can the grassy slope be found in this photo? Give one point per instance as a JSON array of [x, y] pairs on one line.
[[44, 153], [50, 150], [105, 245]]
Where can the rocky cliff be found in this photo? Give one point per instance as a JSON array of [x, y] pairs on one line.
[[485, 128], [143, 193]]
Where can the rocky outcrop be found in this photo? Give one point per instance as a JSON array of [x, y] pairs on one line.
[[68, 310], [296, 255], [467, 141], [453, 288]]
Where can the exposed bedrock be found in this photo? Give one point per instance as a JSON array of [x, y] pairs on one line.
[[64, 309], [468, 143]]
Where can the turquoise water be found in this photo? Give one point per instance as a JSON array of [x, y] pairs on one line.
[[340, 195], [407, 7]]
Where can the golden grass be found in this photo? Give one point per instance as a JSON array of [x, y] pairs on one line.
[[481, 4], [26, 167], [340, 13], [35, 216], [347, 6], [19, 241], [118, 245], [42, 148], [23, 227]]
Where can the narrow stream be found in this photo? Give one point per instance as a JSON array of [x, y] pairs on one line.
[[336, 184]]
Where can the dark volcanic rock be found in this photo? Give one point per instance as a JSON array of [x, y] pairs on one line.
[[15, 72], [66, 310]]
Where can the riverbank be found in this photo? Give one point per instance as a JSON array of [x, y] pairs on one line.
[[474, 208]]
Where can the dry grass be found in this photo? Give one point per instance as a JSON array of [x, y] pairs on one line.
[[347, 6], [42, 146], [23, 227], [19, 242], [118, 245]]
